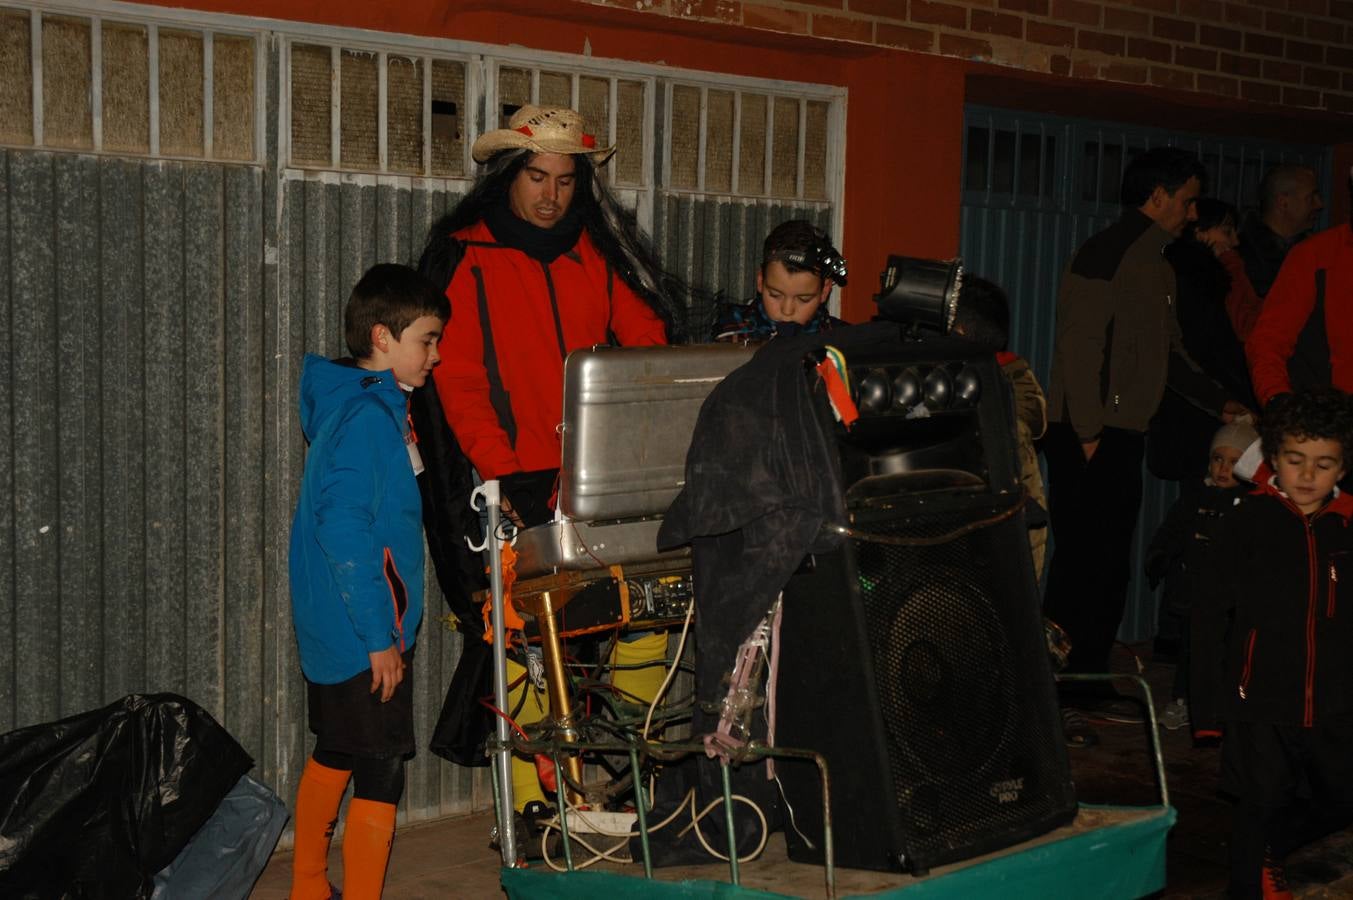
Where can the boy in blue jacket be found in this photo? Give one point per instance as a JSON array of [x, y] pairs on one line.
[[356, 564]]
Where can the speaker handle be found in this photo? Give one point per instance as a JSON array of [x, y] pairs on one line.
[[1019, 499]]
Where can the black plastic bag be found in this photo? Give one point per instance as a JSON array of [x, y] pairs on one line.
[[96, 804], [225, 857]]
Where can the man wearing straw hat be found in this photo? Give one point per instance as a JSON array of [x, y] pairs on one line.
[[549, 263], [538, 260]]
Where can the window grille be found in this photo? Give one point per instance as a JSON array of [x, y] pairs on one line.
[[374, 110], [1011, 161], [121, 85], [1016, 159], [746, 143]]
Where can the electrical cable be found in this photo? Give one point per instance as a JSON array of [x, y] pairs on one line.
[[498, 712], [671, 673], [611, 853]]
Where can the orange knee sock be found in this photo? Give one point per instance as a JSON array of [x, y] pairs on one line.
[[367, 834], [317, 801]]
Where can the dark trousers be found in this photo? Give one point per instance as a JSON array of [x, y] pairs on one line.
[[1292, 785], [1094, 506], [1179, 690]]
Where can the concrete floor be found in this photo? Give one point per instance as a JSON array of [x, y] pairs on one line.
[[452, 859]]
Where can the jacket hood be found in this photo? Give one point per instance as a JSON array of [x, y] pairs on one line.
[[327, 385]]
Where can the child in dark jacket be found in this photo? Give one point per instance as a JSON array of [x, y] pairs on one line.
[[356, 566], [1273, 665], [1183, 547]]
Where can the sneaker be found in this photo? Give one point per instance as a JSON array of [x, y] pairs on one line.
[[537, 813], [1175, 716], [1116, 711], [1273, 879], [527, 835], [1076, 730]]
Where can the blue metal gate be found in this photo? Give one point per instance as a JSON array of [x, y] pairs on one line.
[[1036, 186]]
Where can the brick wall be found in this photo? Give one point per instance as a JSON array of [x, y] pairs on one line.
[[1297, 53]]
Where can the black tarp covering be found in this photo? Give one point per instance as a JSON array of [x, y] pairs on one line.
[[96, 804], [762, 478]]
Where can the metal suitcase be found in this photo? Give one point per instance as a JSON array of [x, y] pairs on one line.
[[628, 417]]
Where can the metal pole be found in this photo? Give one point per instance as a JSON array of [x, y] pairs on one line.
[[728, 822], [507, 832]]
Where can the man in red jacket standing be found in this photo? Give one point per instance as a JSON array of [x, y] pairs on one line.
[[549, 264], [537, 260], [1304, 336]]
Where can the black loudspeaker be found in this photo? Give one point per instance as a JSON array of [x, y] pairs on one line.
[[913, 657]]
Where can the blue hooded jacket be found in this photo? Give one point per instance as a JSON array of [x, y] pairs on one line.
[[356, 557]]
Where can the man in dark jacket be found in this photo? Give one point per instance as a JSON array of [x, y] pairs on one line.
[[1289, 207], [1118, 347]]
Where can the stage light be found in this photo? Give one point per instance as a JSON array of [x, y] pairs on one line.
[[967, 387], [939, 389], [920, 292], [874, 388], [906, 389]]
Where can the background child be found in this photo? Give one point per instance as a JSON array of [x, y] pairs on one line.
[[356, 568], [983, 317], [1181, 550], [1278, 677]]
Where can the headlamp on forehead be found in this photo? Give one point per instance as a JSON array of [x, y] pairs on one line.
[[920, 292], [823, 259]]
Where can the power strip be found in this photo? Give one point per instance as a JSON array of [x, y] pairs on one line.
[[598, 822]]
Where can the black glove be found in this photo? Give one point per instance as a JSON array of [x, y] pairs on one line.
[[530, 494]]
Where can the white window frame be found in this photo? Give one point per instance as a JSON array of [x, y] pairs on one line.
[[153, 19], [481, 65]]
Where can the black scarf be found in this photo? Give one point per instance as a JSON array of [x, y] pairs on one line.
[[543, 244]]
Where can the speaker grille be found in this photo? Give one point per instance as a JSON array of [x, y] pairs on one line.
[[969, 753]]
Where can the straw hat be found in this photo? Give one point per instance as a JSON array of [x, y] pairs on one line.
[[543, 129]]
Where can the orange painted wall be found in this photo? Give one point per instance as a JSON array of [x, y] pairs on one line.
[[905, 110], [904, 136]]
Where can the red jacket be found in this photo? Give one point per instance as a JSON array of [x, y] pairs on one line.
[[1289, 304], [1243, 304], [502, 385]]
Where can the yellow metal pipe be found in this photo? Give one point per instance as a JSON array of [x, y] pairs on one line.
[[543, 607]]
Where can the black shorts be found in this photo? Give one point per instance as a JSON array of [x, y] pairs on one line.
[[348, 718]]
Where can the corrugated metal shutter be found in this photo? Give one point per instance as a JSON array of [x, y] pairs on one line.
[[157, 312], [151, 443], [1035, 187], [132, 407]]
